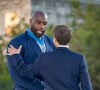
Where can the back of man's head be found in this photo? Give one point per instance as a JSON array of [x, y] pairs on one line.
[[62, 34]]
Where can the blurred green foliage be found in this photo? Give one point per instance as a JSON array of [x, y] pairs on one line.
[[5, 80], [86, 36], [6, 83]]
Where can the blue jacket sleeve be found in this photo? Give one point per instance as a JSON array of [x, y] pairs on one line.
[[18, 62], [84, 76], [30, 70]]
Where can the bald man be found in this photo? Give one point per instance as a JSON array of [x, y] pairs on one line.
[[34, 43]]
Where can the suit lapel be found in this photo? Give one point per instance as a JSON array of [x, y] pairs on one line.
[[36, 46], [47, 44]]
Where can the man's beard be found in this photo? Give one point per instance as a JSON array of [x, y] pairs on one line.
[[37, 32]]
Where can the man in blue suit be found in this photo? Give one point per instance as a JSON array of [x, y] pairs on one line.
[[34, 43], [62, 69]]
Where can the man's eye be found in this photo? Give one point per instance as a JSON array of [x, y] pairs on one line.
[[45, 23]]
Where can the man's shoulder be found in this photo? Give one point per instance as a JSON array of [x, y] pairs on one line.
[[48, 38], [73, 53], [77, 55], [18, 39]]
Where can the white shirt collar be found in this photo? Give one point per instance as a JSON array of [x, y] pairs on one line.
[[63, 46]]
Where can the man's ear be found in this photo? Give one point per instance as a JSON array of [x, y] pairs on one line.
[[30, 21], [55, 41]]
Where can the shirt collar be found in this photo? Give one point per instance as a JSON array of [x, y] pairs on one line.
[[31, 34], [63, 46]]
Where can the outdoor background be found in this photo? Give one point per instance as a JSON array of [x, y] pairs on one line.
[[84, 25]]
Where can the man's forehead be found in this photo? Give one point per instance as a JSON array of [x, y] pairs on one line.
[[40, 18], [39, 14]]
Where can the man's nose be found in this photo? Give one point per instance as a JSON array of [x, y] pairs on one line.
[[42, 26]]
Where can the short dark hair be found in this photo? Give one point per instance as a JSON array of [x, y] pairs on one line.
[[62, 34], [39, 12]]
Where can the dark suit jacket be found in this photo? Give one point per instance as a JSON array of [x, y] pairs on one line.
[[61, 69], [29, 53]]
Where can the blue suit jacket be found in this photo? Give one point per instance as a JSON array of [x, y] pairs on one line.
[[29, 53], [61, 69]]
